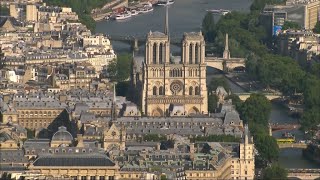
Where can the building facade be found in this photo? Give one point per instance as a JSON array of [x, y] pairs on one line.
[[174, 86]]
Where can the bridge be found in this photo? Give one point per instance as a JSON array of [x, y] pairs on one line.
[[136, 41], [280, 127], [269, 96], [226, 63], [292, 145], [304, 173]]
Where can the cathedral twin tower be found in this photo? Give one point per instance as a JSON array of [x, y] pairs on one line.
[[173, 86]]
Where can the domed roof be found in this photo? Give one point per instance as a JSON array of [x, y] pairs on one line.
[[62, 135]]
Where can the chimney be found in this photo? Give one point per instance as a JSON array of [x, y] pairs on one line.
[[62, 98], [80, 140], [6, 98], [158, 146]]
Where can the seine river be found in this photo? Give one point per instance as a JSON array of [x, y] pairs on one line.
[[186, 16]]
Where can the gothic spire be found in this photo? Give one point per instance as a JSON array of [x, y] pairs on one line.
[[166, 28], [226, 52], [226, 48], [114, 105]]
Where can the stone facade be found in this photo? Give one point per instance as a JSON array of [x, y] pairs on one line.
[[174, 86]]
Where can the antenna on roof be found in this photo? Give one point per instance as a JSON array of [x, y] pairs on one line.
[[166, 28]]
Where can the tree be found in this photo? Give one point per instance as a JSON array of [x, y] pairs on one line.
[[212, 103], [163, 177], [122, 88], [275, 172], [290, 25], [267, 147], [310, 119], [4, 11], [154, 137], [208, 27], [119, 69], [216, 82], [256, 109], [316, 28]]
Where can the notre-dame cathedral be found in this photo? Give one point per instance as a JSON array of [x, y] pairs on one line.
[[171, 85]]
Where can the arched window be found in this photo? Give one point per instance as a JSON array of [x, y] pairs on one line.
[[154, 90], [161, 90], [161, 53], [190, 54], [197, 53], [197, 90], [154, 53], [190, 90]]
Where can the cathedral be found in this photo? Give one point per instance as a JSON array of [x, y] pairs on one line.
[[171, 85]]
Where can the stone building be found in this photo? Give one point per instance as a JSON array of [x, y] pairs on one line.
[[172, 86], [65, 156], [32, 111], [195, 161]]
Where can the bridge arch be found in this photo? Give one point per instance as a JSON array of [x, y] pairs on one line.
[[241, 68]]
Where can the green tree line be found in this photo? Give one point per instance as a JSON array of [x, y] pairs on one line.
[[247, 38]]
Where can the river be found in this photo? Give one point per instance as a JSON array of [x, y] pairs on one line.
[[186, 16]]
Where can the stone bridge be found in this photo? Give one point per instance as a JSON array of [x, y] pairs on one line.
[[292, 145], [137, 41], [308, 174], [269, 96], [225, 64]]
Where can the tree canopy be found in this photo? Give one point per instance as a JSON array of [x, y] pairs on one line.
[[119, 69], [208, 27], [4, 11], [256, 109], [317, 28], [275, 172], [290, 25]]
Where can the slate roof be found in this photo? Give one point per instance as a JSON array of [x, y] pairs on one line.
[[74, 160]]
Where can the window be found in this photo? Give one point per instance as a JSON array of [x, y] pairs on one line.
[[197, 54], [197, 90], [154, 54], [190, 54], [245, 172], [161, 53], [154, 90], [190, 90], [161, 90]]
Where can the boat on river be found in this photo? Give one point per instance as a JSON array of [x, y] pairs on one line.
[[219, 11], [146, 9], [123, 16], [164, 2], [134, 12]]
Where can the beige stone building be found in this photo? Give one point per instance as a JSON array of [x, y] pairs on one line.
[[31, 13], [311, 14], [60, 159], [32, 112], [173, 86]]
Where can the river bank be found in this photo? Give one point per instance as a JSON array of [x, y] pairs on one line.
[[111, 9]]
